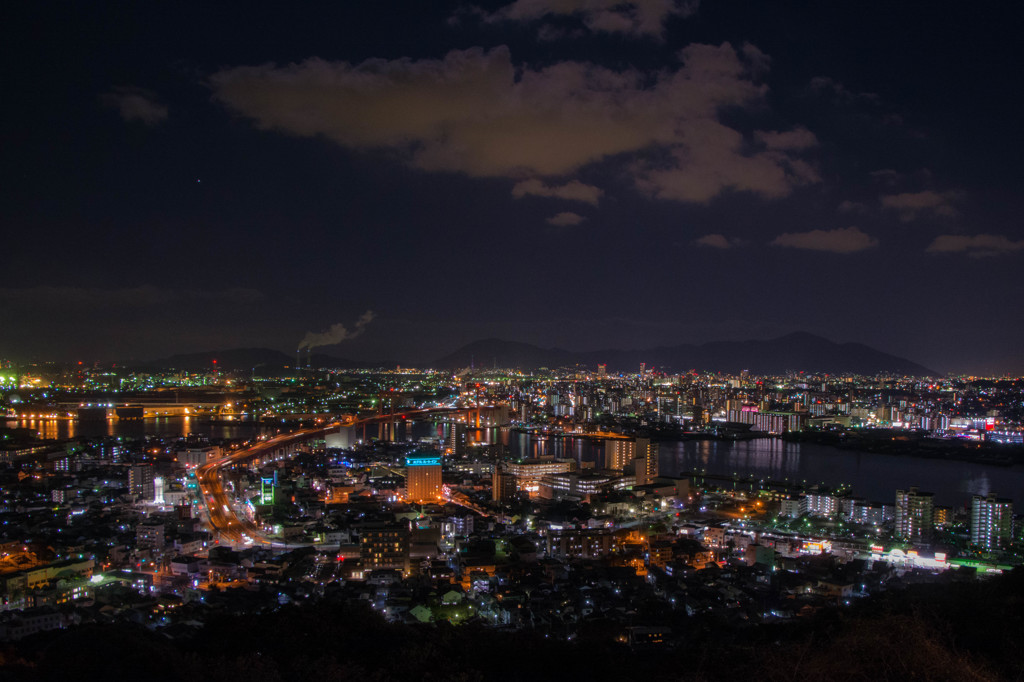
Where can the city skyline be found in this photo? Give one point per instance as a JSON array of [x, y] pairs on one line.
[[396, 181]]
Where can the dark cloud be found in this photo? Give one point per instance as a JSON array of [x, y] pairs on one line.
[[715, 241], [441, 115], [565, 219], [135, 104], [979, 245], [571, 191], [839, 93], [847, 206], [911, 205], [630, 17], [843, 240]]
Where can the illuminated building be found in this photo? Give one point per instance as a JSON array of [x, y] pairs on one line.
[[820, 505], [385, 545], [456, 439], [573, 485], [503, 485], [591, 543], [198, 456], [991, 522], [914, 515], [140, 480], [267, 490], [639, 452], [423, 477], [150, 535], [529, 474]]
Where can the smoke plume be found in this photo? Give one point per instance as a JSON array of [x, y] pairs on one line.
[[337, 333]]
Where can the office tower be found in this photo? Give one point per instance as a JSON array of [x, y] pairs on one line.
[[423, 477], [991, 522], [914, 515]]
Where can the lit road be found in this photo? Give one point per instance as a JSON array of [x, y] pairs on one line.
[[224, 520]]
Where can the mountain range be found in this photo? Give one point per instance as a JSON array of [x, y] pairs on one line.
[[794, 352], [799, 351]]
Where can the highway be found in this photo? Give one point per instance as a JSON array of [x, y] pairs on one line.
[[225, 523]]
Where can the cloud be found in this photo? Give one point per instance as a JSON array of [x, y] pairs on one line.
[[839, 92], [715, 241], [572, 191], [796, 139], [135, 104], [847, 206], [336, 333], [911, 205], [631, 17], [978, 245], [886, 176], [565, 219], [843, 240], [475, 112], [711, 159]]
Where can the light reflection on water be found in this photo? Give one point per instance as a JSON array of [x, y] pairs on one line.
[[874, 476], [164, 427]]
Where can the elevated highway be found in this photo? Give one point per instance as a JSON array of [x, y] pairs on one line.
[[224, 521]]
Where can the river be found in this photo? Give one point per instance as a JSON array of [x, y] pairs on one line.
[[871, 475]]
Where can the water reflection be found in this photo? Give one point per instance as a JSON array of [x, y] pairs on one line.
[[162, 427], [873, 476]]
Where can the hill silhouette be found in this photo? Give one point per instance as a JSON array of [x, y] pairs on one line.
[[794, 352]]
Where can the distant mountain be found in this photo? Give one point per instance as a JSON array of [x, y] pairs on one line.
[[795, 352], [799, 351], [266, 359]]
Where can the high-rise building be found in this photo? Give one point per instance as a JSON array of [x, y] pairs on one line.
[[503, 484], [991, 522], [620, 453], [267, 490], [140, 480], [457, 439], [423, 477], [914, 515]]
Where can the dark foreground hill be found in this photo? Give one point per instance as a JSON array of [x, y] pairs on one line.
[[794, 352], [953, 631]]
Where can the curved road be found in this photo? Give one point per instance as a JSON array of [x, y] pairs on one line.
[[224, 521]]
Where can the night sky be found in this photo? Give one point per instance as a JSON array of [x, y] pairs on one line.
[[413, 176]]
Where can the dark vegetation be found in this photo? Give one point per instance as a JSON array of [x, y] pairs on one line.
[[954, 631]]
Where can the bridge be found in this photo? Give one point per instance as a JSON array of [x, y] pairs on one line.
[[224, 521]]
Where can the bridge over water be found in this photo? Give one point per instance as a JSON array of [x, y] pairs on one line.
[[225, 523]]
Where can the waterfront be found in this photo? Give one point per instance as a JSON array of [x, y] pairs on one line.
[[160, 427], [874, 476], [871, 475]]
